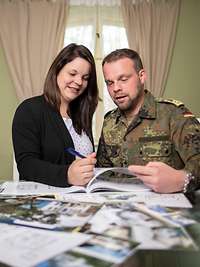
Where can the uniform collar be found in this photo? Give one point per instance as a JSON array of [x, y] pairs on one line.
[[148, 109]]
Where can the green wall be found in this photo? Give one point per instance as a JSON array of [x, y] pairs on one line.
[[183, 80]]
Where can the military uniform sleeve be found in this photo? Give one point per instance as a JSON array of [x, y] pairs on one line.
[[102, 155], [185, 131]]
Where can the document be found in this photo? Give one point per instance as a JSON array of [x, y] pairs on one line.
[[97, 183], [176, 200], [21, 246]]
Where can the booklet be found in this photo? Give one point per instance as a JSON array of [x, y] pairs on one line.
[[103, 180]]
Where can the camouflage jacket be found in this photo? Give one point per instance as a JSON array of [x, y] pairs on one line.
[[164, 130]]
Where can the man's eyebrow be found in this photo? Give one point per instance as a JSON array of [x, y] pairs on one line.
[[121, 76]]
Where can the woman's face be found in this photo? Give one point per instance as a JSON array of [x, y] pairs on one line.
[[72, 79]]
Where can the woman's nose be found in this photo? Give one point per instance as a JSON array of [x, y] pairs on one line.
[[78, 80]]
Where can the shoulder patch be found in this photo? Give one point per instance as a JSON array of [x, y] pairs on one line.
[[170, 101]]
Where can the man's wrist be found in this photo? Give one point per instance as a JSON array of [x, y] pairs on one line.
[[188, 178]]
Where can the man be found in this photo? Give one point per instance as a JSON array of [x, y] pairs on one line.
[[158, 139]]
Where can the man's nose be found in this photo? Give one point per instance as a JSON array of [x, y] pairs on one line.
[[116, 86]]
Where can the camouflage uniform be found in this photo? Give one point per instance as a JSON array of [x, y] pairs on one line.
[[164, 130]]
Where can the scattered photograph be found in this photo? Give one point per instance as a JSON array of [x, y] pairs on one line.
[[74, 259], [107, 248], [175, 215], [46, 214]]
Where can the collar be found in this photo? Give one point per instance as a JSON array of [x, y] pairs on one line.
[[148, 109]]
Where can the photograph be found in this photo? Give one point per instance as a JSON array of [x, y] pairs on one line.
[[74, 259], [107, 248], [45, 213]]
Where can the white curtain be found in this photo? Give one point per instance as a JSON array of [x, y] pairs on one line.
[[95, 2], [151, 30], [31, 33]]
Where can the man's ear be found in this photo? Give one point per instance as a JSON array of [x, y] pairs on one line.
[[142, 76]]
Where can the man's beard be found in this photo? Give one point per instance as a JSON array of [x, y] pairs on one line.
[[131, 104]]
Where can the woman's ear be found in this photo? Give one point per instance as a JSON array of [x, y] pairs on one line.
[[142, 76]]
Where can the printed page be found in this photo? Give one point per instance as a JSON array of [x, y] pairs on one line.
[[22, 188], [99, 185], [21, 246], [178, 200], [99, 171]]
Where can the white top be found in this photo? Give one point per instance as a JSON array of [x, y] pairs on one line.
[[82, 143]]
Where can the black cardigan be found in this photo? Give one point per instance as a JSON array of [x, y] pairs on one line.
[[40, 138]]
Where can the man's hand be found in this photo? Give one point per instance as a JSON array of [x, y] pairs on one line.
[[81, 171], [160, 177]]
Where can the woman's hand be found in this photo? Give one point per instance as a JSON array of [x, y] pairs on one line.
[[81, 171]]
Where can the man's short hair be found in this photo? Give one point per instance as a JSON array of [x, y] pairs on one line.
[[124, 53]]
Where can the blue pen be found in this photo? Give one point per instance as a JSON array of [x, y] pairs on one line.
[[75, 153]]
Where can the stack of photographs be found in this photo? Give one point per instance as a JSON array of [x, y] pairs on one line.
[[112, 231]]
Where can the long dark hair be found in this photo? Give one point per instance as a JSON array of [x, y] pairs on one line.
[[83, 107]]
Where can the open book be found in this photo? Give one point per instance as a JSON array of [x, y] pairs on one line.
[[97, 183]]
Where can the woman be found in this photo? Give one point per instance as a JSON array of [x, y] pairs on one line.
[[45, 126]]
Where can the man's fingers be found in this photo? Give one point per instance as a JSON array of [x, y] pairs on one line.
[[141, 170], [154, 164], [146, 179]]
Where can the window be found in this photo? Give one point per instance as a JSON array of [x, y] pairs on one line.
[[80, 35], [100, 28]]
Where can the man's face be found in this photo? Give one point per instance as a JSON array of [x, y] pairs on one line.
[[124, 84]]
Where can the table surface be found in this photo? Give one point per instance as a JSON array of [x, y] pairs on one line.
[[164, 258]]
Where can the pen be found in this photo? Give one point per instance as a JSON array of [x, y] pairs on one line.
[[73, 152]]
